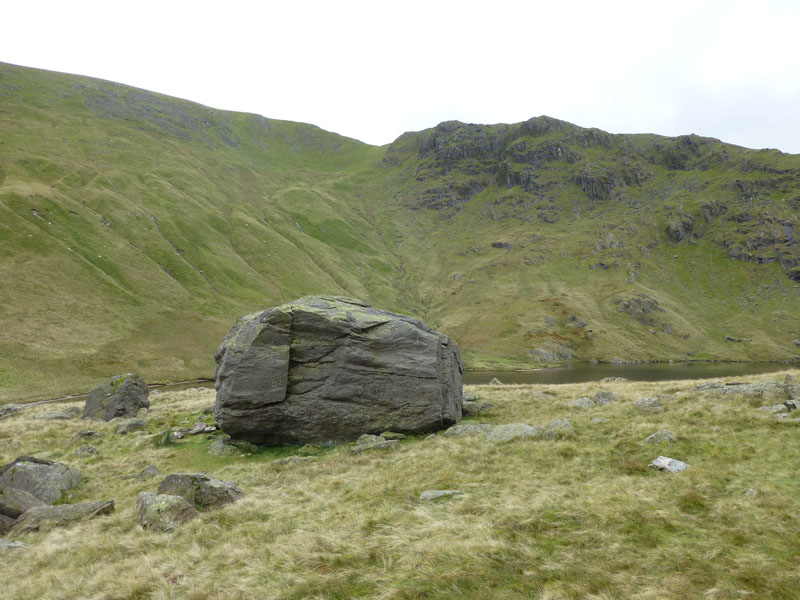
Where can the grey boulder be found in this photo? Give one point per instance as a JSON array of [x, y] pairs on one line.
[[44, 479], [121, 396], [14, 502], [670, 465], [42, 518], [326, 368], [163, 512]]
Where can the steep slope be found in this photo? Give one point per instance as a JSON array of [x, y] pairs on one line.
[[134, 229]]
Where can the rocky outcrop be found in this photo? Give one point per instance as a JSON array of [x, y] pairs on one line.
[[331, 368], [121, 396], [14, 502], [44, 479]]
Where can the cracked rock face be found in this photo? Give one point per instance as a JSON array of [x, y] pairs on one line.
[[326, 368]]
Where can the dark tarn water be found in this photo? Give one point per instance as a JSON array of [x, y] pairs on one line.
[[641, 372]]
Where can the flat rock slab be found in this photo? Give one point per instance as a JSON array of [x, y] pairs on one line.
[[200, 490], [428, 495], [45, 479], [9, 545], [163, 512], [14, 502], [670, 465], [42, 518], [665, 436], [651, 405], [72, 412], [326, 368], [121, 396], [495, 433], [130, 426]]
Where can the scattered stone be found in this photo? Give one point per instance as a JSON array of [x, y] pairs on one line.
[[651, 405], [751, 492], [604, 397], [768, 391], [495, 381], [392, 435], [9, 545], [664, 436], [558, 429], [200, 490], [670, 465], [86, 450], [147, 472], [792, 388], [178, 435], [201, 427], [73, 412], [582, 402], [351, 364], [428, 495], [45, 479], [6, 523], [42, 518], [14, 502], [86, 434], [163, 512], [9, 409], [130, 426], [775, 408], [291, 460], [511, 431], [613, 380], [470, 397], [121, 396], [229, 447], [372, 442], [730, 338], [473, 409], [467, 429]]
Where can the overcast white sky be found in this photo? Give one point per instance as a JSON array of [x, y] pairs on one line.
[[372, 70]]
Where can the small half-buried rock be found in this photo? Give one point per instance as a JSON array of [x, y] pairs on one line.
[[670, 465], [429, 495], [42, 518], [200, 490]]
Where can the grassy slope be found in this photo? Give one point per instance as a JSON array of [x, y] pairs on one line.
[[574, 518], [136, 227]]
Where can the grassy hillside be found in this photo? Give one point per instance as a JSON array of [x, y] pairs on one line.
[[135, 228]]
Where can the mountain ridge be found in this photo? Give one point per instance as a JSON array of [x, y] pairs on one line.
[[144, 225]]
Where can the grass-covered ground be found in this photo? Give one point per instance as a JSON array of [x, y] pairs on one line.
[[582, 517]]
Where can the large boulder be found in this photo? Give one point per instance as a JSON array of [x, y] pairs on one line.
[[163, 512], [44, 479], [121, 396], [331, 368]]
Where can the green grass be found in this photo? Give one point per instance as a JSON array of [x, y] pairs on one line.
[[581, 517]]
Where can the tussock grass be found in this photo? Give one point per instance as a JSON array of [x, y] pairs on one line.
[[581, 517]]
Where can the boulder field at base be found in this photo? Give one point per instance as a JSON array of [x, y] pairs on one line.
[[326, 368]]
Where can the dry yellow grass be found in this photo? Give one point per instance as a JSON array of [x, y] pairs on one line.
[[575, 518]]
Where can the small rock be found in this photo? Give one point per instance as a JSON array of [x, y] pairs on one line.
[[582, 402], [473, 409], [470, 397], [178, 435], [495, 381], [72, 412], [86, 434], [198, 427], [650, 405], [200, 490], [42, 518], [9, 409], [613, 380], [604, 397], [775, 408], [147, 472], [291, 460], [130, 426], [511, 431], [751, 492], [392, 435], [663, 436], [670, 465], [467, 429], [229, 447], [730, 338], [163, 512], [86, 450], [558, 429], [9, 545], [379, 443], [792, 388], [435, 494]]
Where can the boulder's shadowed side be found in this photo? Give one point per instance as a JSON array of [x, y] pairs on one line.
[[331, 368], [121, 396]]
